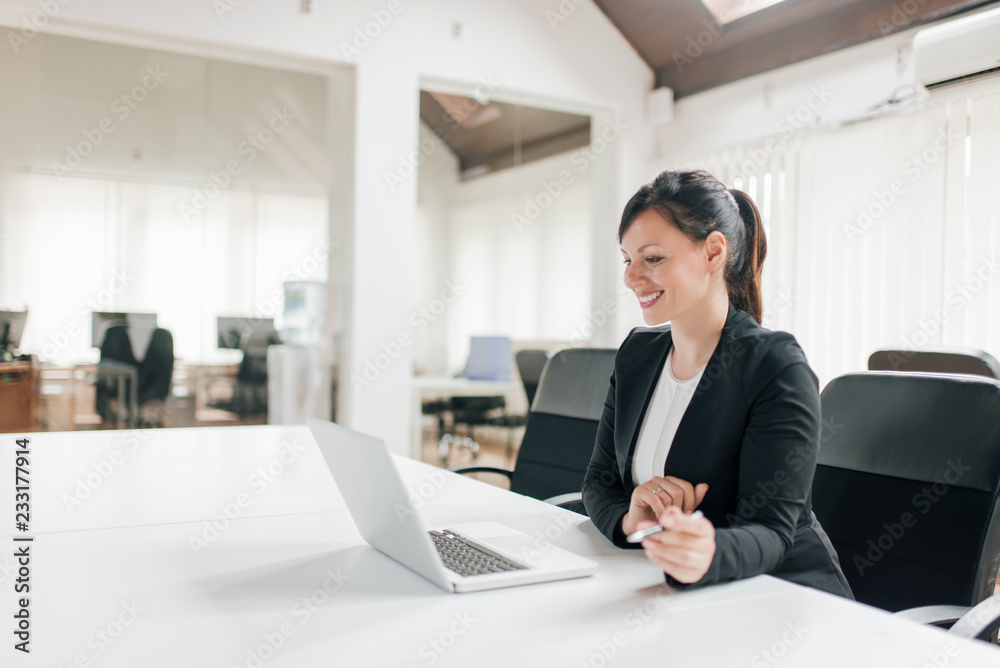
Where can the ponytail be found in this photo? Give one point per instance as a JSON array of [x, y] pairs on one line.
[[744, 286]]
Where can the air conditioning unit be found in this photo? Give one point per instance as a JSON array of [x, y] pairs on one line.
[[957, 49]]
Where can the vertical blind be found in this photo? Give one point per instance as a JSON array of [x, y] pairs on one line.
[[74, 245], [882, 233]]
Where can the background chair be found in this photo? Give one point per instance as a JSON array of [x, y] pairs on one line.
[[471, 412], [906, 487], [530, 364], [154, 371], [487, 411], [250, 392], [942, 360], [489, 359], [561, 428]]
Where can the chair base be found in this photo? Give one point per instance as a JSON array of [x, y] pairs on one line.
[[449, 440]]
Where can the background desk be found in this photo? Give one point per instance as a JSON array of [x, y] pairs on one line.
[[425, 388], [20, 396], [291, 571]]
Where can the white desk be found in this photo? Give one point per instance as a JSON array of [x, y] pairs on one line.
[[121, 564], [442, 387]]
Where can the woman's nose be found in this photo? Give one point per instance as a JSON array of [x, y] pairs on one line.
[[631, 274]]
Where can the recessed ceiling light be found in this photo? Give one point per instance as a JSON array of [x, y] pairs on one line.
[[727, 11]]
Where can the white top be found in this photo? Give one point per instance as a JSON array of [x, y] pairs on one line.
[[670, 399]]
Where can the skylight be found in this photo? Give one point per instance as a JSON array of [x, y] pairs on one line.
[[727, 11]]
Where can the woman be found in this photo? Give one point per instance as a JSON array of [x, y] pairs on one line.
[[711, 412]]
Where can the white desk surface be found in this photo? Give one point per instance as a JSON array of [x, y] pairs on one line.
[[121, 566]]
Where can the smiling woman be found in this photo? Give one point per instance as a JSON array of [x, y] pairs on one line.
[[711, 411]]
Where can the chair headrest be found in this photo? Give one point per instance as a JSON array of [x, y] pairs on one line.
[[575, 383], [918, 426], [936, 360], [530, 364]]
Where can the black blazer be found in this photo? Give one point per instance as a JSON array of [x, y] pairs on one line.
[[751, 431]]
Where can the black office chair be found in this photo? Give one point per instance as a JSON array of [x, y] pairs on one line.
[[154, 374], [250, 391], [561, 428], [471, 412], [906, 488], [940, 360], [530, 364], [487, 411]]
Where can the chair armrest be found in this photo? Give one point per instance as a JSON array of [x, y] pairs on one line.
[[979, 622], [934, 615], [565, 499], [508, 421], [483, 469]]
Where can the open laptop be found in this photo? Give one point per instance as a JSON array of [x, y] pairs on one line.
[[461, 558]]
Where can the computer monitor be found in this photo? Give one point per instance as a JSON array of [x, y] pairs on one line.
[[102, 320], [11, 329], [489, 358], [231, 329]]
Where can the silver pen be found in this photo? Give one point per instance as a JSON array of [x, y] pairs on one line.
[[643, 534]]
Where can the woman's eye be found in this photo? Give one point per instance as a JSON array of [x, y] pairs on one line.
[[653, 260], [626, 262]]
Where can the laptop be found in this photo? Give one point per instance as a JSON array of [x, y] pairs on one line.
[[460, 558]]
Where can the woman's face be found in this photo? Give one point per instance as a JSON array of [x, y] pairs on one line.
[[668, 272]]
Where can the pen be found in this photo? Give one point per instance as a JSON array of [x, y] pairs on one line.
[[643, 534]]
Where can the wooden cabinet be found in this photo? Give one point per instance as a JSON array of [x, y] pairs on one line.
[[20, 397]]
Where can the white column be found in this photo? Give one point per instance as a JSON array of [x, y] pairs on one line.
[[375, 391]]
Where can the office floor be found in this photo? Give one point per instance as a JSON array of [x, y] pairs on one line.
[[494, 451]]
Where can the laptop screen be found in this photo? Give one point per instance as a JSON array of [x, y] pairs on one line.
[[489, 358]]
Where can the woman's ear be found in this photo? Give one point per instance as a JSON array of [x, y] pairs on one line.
[[715, 249]]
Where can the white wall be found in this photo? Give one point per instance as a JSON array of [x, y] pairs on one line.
[[524, 253], [516, 242], [437, 182], [582, 60]]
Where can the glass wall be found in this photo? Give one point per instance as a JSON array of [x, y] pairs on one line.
[[146, 180]]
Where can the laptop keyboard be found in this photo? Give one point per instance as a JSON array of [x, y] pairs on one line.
[[467, 558]]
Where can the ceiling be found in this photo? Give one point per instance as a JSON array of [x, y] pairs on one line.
[[690, 52], [488, 136]]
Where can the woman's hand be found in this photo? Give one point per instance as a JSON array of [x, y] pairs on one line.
[[653, 497], [685, 550]]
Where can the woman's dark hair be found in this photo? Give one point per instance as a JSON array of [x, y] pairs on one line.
[[698, 204]]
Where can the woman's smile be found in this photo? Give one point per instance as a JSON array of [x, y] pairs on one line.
[[648, 299]]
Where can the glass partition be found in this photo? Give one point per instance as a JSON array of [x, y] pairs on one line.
[[148, 180]]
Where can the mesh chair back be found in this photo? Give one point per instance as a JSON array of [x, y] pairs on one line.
[[562, 425], [956, 360], [906, 486], [157, 368], [253, 366]]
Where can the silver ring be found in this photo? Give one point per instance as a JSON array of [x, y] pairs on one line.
[[657, 490]]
